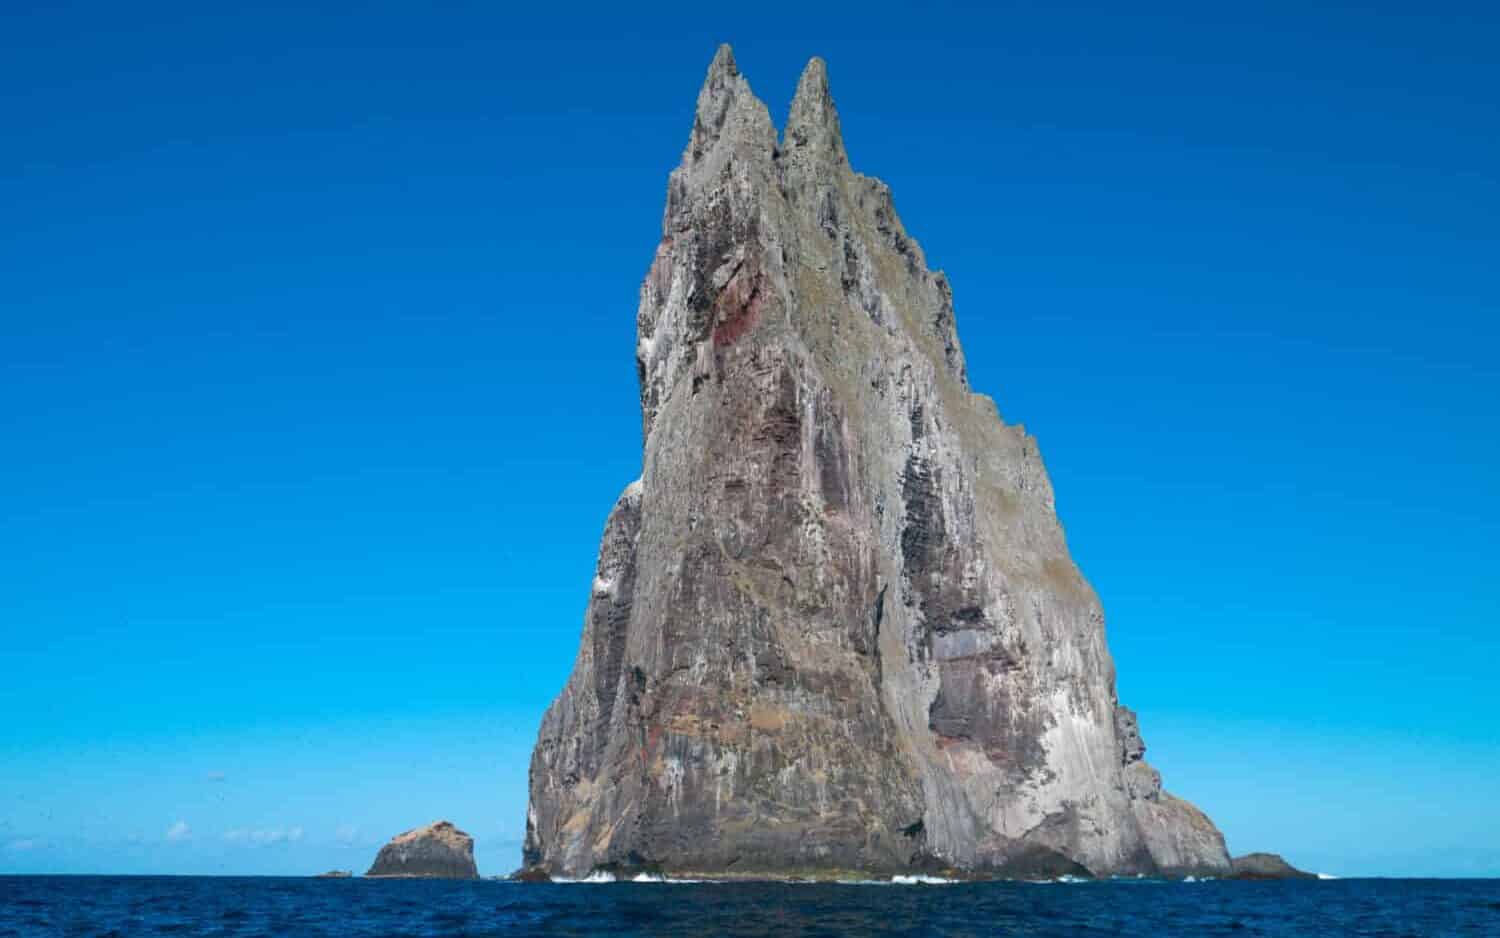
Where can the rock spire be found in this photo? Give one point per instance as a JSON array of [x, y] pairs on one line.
[[835, 624]]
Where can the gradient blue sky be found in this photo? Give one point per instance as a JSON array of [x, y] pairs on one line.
[[317, 381]]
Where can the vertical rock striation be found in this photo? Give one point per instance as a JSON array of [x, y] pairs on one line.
[[834, 625]]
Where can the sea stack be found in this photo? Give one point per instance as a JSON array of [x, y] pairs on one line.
[[437, 851], [834, 625], [1266, 866]]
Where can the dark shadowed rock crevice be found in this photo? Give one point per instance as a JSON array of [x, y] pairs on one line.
[[835, 624]]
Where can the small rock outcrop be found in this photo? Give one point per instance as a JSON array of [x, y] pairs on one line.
[[834, 625], [335, 874], [437, 851], [1266, 866]]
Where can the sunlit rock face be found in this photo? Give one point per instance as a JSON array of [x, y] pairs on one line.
[[835, 624]]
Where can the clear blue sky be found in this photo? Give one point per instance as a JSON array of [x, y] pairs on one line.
[[317, 382]]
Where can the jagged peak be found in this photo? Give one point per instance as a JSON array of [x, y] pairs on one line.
[[725, 105], [723, 63], [813, 83], [814, 120]]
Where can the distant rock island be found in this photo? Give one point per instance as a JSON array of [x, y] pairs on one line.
[[437, 851], [1266, 866], [835, 625]]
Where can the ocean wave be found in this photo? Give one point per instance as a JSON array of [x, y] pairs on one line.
[[603, 876], [899, 879], [598, 876]]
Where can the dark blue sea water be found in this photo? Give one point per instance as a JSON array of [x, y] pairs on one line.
[[106, 905]]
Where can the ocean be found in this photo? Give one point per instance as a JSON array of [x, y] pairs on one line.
[[232, 906]]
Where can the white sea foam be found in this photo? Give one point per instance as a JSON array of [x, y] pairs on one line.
[[1326, 876], [657, 878], [897, 880], [602, 876], [598, 876]]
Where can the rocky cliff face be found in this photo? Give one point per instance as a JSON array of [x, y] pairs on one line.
[[834, 625], [437, 851]]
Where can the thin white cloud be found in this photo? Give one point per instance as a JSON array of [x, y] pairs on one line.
[[260, 837], [347, 834], [179, 832], [215, 777], [25, 843]]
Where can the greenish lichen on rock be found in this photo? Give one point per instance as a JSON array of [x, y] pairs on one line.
[[835, 624]]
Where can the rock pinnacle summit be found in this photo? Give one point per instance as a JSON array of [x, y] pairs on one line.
[[834, 625]]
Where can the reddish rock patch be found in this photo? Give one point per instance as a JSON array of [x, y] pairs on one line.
[[738, 307]]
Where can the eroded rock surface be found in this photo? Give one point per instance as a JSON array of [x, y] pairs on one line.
[[437, 851], [835, 624]]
